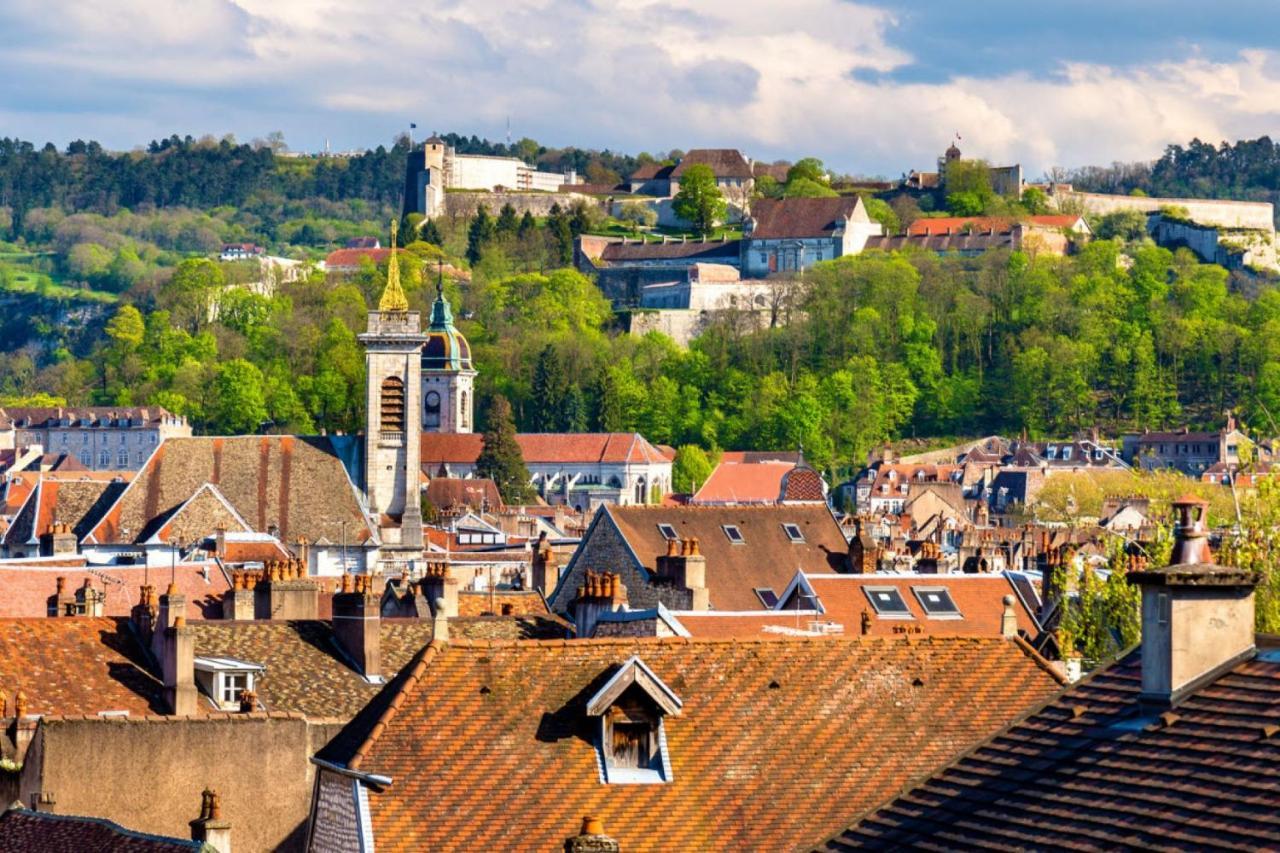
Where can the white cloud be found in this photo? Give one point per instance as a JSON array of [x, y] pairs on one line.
[[630, 75]]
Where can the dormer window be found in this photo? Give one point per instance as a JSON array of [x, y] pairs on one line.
[[734, 534], [224, 679], [631, 707], [1066, 453]]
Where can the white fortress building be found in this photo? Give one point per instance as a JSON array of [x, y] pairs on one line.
[[437, 168]]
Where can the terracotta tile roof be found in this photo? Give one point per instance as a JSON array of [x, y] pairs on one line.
[[767, 557], [724, 162], [942, 225], [755, 456], [75, 665], [458, 493], [777, 171], [79, 503], [28, 584], [650, 171], [940, 243], [710, 251], [770, 749], [802, 484], [21, 829], [256, 550], [766, 624], [522, 603], [743, 483], [979, 598], [16, 490], [349, 259], [1089, 770], [296, 483], [544, 448], [781, 218]]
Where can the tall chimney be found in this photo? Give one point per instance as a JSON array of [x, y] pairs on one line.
[[438, 585], [286, 593], [546, 574], [177, 663], [685, 566], [1197, 616], [1008, 619], [601, 592], [357, 626], [237, 602], [211, 827]]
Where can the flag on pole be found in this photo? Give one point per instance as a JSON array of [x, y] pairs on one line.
[[412, 125]]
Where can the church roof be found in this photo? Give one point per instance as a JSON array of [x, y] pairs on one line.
[[446, 348]]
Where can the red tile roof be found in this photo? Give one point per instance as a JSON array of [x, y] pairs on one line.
[[777, 742], [783, 218], [21, 829], [942, 225], [710, 251], [543, 448], [979, 598], [1092, 770], [345, 259], [724, 162], [77, 502], [743, 483], [28, 585], [75, 665], [28, 417]]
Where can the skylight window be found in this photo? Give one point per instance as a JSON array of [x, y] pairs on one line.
[[767, 597], [667, 531], [888, 602], [734, 534], [793, 531], [937, 602]]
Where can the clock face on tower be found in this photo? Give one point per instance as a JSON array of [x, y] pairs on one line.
[[431, 410]]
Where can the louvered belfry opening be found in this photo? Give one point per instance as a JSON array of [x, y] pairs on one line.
[[393, 404]]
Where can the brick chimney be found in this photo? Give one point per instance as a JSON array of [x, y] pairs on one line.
[[601, 592], [144, 614], [61, 603], [357, 626], [211, 827], [286, 592], [237, 602], [684, 566], [177, 664], [1197, 616], [864, 553], [439, 585], [546, 572], [591, 839]]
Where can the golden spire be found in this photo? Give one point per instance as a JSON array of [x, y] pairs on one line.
[[393, 298]]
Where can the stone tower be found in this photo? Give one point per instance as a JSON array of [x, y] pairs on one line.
[[447, 374], [393, 347]]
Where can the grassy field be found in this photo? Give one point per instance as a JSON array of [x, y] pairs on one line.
[[18, 274]]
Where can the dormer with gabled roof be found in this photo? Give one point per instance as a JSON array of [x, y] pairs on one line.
[[630, 708]]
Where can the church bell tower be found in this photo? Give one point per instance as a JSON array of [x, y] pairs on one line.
[[448, 377], [393, 348]]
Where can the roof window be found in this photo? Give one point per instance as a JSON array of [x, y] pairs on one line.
[[631, 707], [767, 597], [734, 534], [793, 531], [667, 531], [888, 602], [937, 602]]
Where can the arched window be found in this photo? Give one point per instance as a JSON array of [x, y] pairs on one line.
[[640, 491], [392, 404], [431, 410]]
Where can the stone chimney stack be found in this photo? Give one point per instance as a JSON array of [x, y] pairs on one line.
[[61, 603], [89, 600], [286, 592], [439, 585], [210, 827], [591, 839], [546, 573], [357, 626], [220, 542], [237, 602], [1197, 616], [1008, 619], [59, 540], [177, 663], [601, 592], [684, 566], [143, 615]]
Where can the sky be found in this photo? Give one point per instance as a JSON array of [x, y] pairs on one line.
[[870, 87]]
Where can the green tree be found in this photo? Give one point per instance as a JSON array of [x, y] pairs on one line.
[[479, 233], [699, 201], [638, 215], [126, 328], [807, 169], [560, 236], [691, 469], [430, 233], [238, 402], [1035, 200], [500, 458], [1123, 225], [507, 222], [805, 188], [547, 394], [189, 294]]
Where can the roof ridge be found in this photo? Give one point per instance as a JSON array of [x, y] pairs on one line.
[[711, 641], [422, 660]]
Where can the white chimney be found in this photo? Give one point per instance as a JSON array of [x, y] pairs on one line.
[[1197, 616]]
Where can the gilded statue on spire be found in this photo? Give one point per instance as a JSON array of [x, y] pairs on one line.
[[393, 298]]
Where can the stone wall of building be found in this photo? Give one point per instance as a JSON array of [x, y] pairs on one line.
[[148, 774], [1257, 215], [465, 204]]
